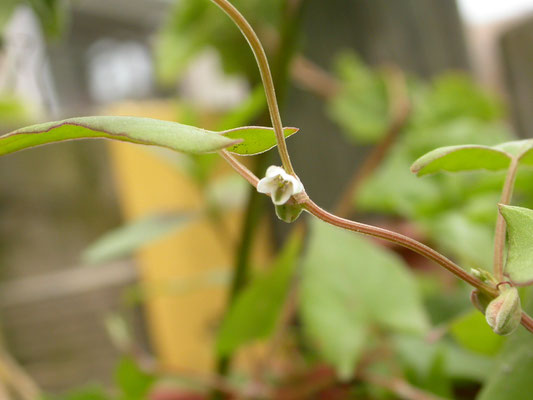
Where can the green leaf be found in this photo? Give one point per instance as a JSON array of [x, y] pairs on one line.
[[52, 15], [471, 157], [473, 333], [466, 240], [361, 107], [511, 376], [195, 25], [420, 355], [519, 265], [128, 129], [254, 139], [6, 10], [257, 308], [88, 392], [453, 96], [461, 158], [133, 382], [349, 284], [127, 239]]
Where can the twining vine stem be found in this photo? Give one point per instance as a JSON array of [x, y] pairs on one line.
[[322, 214], [499, 236], [266, 77]]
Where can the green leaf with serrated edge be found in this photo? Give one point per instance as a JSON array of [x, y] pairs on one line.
[[473, 333], [257, 308], [125, 240], [254, 139], [461, 158], [510, 378], [363, 285], [146, 131], [519, 264]]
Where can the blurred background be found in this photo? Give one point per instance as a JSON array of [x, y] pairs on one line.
[[114, 254]]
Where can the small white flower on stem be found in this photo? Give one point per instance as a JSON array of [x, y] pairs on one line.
[[279, 184]]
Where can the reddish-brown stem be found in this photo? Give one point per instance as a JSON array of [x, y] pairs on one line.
[[400, 239], [309, 76], [241, 169]]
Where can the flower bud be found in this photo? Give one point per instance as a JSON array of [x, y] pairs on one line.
[[480, 300], [288, 212], [503, 314]]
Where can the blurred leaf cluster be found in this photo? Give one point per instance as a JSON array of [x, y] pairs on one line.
[[194, 25], [455, 212]]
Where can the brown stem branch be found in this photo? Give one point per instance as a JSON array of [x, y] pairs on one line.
[[401, 240], [399, 387], [310, 76], [241, 169], [396, 238], [400, 109]]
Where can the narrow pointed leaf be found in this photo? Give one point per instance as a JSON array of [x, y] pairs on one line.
[[254, 139], [461, 158], [125, 240], [147, 131], [257, 308], [519, 265]]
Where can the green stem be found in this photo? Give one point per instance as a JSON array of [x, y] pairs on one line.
[[253, 213], [499, 236], [266, 77]]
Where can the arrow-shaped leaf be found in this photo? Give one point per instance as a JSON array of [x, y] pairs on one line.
[[128, 129], [189, 139], [254, 139], [472, 157], [519, 265], [461, 158]]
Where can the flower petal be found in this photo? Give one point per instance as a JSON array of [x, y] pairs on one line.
[[267, 185], [297, 186], [281, 195], [274, 170]]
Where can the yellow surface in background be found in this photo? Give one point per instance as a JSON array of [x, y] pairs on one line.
[[182, 324]]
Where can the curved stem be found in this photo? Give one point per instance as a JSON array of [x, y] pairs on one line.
[[241, 169], [499, 236], [400, 239], [266, 77]]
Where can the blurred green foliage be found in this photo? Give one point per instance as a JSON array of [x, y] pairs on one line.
[[455, 212], [350, 286], [52, 14], [195, 25], [355, 297]]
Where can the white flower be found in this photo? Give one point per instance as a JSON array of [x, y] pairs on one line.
[[279, 184]]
